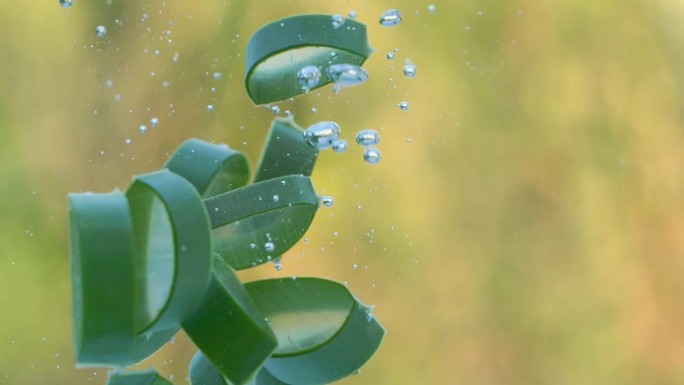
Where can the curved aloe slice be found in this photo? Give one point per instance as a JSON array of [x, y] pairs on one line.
[[211, 168], [172, 247], [285, 152], [228, 328], [103, 282], [277, 51], [203, 372], [324, 333], [143, 377], [259, 222]]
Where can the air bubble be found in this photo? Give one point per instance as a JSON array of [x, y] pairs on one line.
[[328, 201], [269, 247], [367, 137], [308, 77], [340, 146], [276, 198], [372, 155], [390, 18], [404, 106], [432, 8], [154, 122], [322, 134], [346, 75], [217, 75], [275, 110], [100, 31], [390, 55], [66, 3], [210, 108], [337, 21], [142, 129], [352, 14], [410, 70]]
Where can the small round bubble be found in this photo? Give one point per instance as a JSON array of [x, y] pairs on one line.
[[432, 8], [390, 18], [353, 14], [210, 107], [328, 201], [269, 247], [337, 21], [66, 3], [308, 77], [372, 155], [410, 70], [340, 146], [404, 106], [154, 122], [217, 75], [367, 137], [100, 31], [275, 110], [142, 129], [390, 55]]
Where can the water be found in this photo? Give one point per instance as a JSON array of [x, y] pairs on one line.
[[269, 247], [372, 155], [337, 21], [404, 106], [100, 31], [66, 3], [308, 77], [154, 122], [390, 18], [322, 135], [346, 75], [340, 146], [410, 70], [328, 201], [367, 137]]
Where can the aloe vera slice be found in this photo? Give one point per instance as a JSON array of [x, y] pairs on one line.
[[211, 168], [142, 377], [103, 284], [324, 333], [172, 247], [229, 329], [259, 222], [278, 50], [285, 152]]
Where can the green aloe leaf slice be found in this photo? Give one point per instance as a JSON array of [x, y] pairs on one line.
[[212, 168], [257, 223], [103, 283], [277, 51], [229, 329], [285, 152], [324, 333], [172, 246], [203, 372], [142, 377]]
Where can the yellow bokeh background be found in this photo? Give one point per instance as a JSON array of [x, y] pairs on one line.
[[526, 223]]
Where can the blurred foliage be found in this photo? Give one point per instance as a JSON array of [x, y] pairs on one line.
[[526, 224]]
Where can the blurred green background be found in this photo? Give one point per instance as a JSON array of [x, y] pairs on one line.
[[526, 224]]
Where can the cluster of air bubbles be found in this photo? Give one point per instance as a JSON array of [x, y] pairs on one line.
[[308, 77], [100, 31], [368, 139], [337, 21], [327, 201], [404, 106], [346, 75], [390, 18], [66, 3]]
